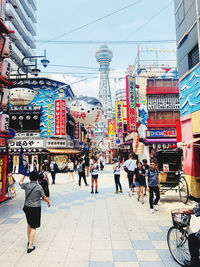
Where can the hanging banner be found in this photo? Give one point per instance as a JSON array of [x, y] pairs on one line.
[[131, 103], [111, 128], [60, 117], [76, 130], [119, 118]]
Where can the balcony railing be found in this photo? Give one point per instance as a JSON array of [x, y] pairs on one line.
[[161, 123], [162, 90]]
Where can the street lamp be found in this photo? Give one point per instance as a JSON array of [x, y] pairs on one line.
[[45, 62]]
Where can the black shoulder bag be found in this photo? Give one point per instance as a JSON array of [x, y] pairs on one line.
[[126, 168], [29, 194]]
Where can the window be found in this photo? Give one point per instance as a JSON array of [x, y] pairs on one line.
[[193, 57]]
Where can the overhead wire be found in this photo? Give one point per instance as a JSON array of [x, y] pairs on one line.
[[93, 21], [150, 19]]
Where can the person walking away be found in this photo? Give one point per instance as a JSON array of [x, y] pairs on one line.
[[101, 162], [129, 167], [32, 206], [146, 167], [116, 168], [70, 167], [53, 170], [94, 174], [87, 165], [81, 171], [35, 164], [153, 186], [194, 240], [43, 180], [140, 181]]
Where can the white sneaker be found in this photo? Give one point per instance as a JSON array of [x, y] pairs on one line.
[[152, 210], [130, 193], [155, 207]]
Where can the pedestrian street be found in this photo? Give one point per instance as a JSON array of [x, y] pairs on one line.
[[81, 229]]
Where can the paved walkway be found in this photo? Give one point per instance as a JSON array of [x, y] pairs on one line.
[[85, 230]]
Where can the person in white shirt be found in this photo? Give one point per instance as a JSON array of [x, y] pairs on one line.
[[70, 167], [94, 173], [130, 166], [116, 168]]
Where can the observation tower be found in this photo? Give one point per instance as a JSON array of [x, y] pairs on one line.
[[104, 57]]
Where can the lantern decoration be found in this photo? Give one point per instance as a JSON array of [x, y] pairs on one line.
[[86, 110]]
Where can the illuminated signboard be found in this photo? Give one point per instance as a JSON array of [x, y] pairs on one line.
[[111, 128], [119, 118], [161, 133], [131, 103]]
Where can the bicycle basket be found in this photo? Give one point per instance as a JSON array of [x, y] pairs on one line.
[[180, 219]]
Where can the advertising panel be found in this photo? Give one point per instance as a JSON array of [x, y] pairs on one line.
[[111, 128], [131, 103], [60, 117], [161, 133], [119, 118], [42, 93]]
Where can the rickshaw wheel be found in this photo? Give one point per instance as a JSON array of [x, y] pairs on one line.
[[183, 190]]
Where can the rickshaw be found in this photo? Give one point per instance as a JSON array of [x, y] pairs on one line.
[[169, 163]]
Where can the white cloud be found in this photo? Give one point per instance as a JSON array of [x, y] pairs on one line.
[[90, 87]]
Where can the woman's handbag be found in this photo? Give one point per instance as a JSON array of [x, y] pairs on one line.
[[126, 168]]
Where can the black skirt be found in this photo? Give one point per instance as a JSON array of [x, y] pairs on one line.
[[33, 216]]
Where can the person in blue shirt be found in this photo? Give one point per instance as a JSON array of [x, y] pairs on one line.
[[153, 186]]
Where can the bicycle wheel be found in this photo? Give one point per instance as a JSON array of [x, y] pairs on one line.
[[183, 190], [177, 240]]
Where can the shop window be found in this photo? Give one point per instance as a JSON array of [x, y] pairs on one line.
[[193, 57]]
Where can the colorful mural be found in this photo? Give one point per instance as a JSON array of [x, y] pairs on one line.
[[46, 92], [189, 90]]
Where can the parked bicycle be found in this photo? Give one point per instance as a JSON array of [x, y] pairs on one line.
[[177, 236]]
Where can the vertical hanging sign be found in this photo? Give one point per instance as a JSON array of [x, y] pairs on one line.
[[131, 103], [76, 130], [60, 118], [111, 128], [119, 118]]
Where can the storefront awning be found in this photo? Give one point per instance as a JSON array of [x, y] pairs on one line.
[[160, 140], [188, 143], [63, 151]]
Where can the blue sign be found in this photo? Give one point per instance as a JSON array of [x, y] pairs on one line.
[[46, 91], [11, 133], [81, 143], [118, 141], [161, 133], [190, 93]]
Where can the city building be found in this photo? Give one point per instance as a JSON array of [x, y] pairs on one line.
[[188, 56], [163, 111], [20, 17], [39, 114]]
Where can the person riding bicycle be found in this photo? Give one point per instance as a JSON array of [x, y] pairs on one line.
[[194, 241]]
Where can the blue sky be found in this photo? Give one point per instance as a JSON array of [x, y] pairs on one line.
[[58, 17]]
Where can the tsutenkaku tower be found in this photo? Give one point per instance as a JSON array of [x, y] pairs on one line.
[[104, 57]]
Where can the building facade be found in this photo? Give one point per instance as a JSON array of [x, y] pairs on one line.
[[20, 17], [163, 112], [39, 114], [188, 46]]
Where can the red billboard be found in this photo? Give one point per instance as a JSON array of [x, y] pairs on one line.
[[60, 117]]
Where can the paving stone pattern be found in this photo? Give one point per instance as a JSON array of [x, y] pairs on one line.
[[94, 230]]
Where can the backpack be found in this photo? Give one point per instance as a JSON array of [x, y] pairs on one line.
[[56, 167], [41, 177], [80, 167]]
